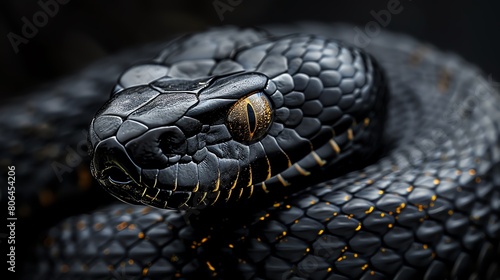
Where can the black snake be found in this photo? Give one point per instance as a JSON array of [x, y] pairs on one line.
[[232, 113]]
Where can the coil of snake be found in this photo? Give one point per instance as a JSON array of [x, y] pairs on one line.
[[289, 157]]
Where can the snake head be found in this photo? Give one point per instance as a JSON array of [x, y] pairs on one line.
[[177, 143], [267, 121]]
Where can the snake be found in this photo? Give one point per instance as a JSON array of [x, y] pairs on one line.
[[279, 153]]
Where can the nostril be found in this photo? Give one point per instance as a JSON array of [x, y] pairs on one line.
[[153, 149], [117, 176], [173, 143], [166, 148]]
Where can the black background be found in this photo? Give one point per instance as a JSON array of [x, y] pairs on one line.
[[83, 31]]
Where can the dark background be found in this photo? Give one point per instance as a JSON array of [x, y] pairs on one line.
[[83, 31]]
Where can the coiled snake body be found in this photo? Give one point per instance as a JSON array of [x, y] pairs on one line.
[[218, 113]]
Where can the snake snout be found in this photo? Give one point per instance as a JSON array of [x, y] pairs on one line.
[[158, 148], [114, 169]]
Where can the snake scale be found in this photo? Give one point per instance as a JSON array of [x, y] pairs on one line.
[[420, 200]]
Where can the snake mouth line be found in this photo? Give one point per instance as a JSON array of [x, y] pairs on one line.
[[159, 188], [163, 199], [121, 185]]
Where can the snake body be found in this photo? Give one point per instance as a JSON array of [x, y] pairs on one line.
[[423, 206]]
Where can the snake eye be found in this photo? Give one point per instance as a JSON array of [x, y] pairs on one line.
[[250, 117]]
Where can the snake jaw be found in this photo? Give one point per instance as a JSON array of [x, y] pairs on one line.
[[187, 181], [122, 193]]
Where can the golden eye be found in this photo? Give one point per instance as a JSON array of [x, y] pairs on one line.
[[250, 117]]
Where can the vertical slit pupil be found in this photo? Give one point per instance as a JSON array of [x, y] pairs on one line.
[[251, 118]]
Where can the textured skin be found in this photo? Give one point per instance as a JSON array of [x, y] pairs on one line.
[[427, 209], [166, 141]]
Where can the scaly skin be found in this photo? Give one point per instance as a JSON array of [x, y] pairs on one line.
[[427, 208], [238, 121]]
